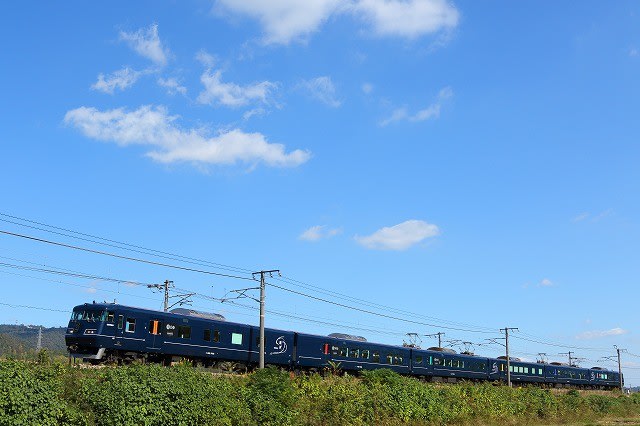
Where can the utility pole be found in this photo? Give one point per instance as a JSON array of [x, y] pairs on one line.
[[165, 288], [506, 341], [262, 297], [439, 334], [568, 353], [619, 367], [39, 343]]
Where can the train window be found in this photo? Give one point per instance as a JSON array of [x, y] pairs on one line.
[[236, 338], [131, 325], [343, 352], [540, 371], [207, 335], [354, 353], [120, 321], [364, 354], [438, 361], [389, 359], [526, 370], [184, 332], [397, 360], [110, 317], [216, 336], [448, 362], [430, 360], [375, 357], [155, 327], [418, 360], [334, 350]]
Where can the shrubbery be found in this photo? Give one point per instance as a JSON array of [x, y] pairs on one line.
[[51, 394]]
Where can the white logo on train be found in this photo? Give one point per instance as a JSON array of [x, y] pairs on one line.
[[280, 347]]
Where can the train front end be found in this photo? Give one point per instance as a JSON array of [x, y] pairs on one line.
[[88, 335]]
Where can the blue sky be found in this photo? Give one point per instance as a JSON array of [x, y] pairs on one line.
[[470, 162]]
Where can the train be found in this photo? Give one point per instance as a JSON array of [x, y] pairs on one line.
[[115, 333]]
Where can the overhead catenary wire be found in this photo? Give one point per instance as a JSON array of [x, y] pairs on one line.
[[137, 248], [12, 305], [104, 253], [118, 244], [366, 311], [191, 260], [372, 304]]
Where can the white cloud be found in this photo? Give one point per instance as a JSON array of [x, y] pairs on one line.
[[154, 127], [172, 85], [399, 237], [205, 58], [120, 79], [408, 18], [598, 334], [322, 89], [146, 43], [231, 94], [367, 88], [428, 113], [546, 282], [319, 232], [284, 21]]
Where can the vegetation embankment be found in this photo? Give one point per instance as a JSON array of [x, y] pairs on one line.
[[52, 394]]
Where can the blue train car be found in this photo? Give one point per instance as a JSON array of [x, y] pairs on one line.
[[353, 353], [521, 372], [601, 378], [116, 332], [564, 375], [447, 365]]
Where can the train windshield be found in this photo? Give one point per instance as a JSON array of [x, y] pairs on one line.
[[89, 315]]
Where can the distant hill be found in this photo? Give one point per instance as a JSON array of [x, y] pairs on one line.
[[18, 340]]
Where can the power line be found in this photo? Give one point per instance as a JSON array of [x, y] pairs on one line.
[[32, 307], [120, 245], [363, 302], [133, 247], [558, 344], [150, 262], [366, 311]]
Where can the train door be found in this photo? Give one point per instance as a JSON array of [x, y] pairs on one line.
[[154, 338], [119, 330]]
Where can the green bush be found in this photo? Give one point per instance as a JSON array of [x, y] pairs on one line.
[[53, 394], [32, 394]]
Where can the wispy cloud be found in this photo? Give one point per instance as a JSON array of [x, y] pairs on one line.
[[587, 216], [633, 52], [598, 334], [321, 89], [546, 282], [319, 232], [285, 21], [172, 85], [430, 112], [399, 237], [205, 58], [367, 88], [154, 127], [231, 94], [146, 42], [120, 79]]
